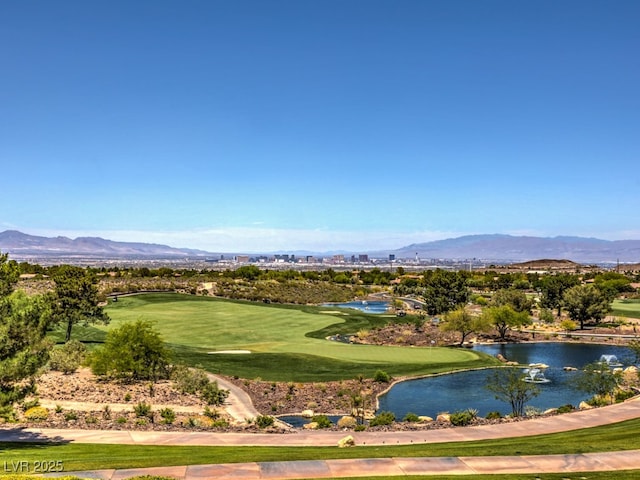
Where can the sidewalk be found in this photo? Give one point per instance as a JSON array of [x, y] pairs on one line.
[[359, 467]]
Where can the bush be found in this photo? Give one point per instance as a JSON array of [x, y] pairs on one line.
[[36, 414], [142, 409], [493, 415], [383, 418], [622, 395], [381, 377], [264, 421], [168, 416], [322, 421], [195, 381], [566, 408], [67, 358], [347, 422], [411, 417], [463, 418], [132, 351]]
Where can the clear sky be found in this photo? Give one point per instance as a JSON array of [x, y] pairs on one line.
[[267, 125]]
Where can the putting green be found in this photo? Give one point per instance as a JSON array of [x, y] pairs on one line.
[[205, 325]]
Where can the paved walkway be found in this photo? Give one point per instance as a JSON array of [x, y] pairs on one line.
[[363, 467]]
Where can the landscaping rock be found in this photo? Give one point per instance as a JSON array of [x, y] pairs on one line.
[[347, 441]]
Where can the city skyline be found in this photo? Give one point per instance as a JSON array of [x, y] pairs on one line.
[[283, 125]]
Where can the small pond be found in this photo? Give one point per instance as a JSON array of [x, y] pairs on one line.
[[373, 306], [459, 391]]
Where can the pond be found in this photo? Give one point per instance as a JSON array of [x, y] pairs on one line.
[[458, 391], [368, 306]]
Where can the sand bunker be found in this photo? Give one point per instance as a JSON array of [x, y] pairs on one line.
[[231, 352]]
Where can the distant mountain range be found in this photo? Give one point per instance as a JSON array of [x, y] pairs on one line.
[[488, 248], [502, 248], [20, 246]]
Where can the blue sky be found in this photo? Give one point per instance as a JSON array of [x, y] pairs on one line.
[[319, 124]]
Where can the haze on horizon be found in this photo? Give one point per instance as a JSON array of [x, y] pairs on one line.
[[286, 125]]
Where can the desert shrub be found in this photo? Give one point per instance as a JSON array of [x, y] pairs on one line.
[[622, 395], [411, 417], [566, 408], [360, 428], [36, 414], [322, 421], [347, 422], [381, 377], [68, 357], [212, 414], [195, 381], [493, 415], [214, 395], [463, 417], [142, 409], [383, 418], [168, 416], [264, 421], [70, 416], [121, 420], [133, 351]]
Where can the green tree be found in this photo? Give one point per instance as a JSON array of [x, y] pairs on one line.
[[76, 298], [584, 303], [505, 318], [132, 351], [598, 379], [23, 346], [508, 385], [553, 288], [463, 322], [444, 291], [516, 299]]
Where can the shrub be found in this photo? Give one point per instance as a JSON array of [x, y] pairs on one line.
[[195, 381], [383, 418], [212, 414], [214, 395], [566, 408], [360, 428], [347, 422], [132, 351], [36, 414], [142, 409], [493, 415], [381, 377], [463, 418], [168, 416], [70, 416], [322, 421], [264, 421], [121, 419], [622, 395], [411, 417], [67, 358]]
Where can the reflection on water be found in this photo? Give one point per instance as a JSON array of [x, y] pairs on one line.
[[458, 391], [365, 306]]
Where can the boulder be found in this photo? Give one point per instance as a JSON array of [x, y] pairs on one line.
[[307, 413], [347, 441], [311, 426], [584, 406], [444, 418], [425, 419]]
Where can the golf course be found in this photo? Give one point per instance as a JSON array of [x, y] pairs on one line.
[[276, 342]]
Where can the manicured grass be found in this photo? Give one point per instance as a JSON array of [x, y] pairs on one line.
[[287, 343], [77, 456], [626, 308]]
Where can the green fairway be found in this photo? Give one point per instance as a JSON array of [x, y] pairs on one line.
[[626, 308], [286, 343]]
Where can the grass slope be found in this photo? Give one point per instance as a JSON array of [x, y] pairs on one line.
[[287, 343], [626, 308]]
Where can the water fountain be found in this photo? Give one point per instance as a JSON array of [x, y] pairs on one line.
[[535, 375], [611, 361]]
